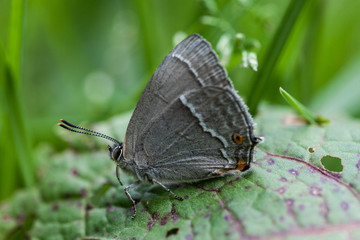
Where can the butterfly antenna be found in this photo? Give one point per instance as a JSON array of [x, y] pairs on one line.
[[73, 128]]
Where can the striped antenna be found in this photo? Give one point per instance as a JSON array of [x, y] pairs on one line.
[[73, 128]]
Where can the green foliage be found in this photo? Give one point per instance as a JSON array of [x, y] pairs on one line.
[[286, 194], [262, 80], [14, 140]]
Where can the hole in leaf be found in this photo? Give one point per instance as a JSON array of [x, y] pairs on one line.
[[332, 164], [311, 150], [172, 231]]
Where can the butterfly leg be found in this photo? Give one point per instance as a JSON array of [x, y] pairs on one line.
[[126, 189], [118, 175], [167, 189]]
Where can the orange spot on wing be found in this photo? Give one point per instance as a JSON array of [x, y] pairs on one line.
[[238, 139], [241, 165]]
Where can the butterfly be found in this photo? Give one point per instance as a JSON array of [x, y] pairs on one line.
[[189, 124]]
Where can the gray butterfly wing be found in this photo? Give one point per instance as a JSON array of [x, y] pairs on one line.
[[193, 138], [192, 64]]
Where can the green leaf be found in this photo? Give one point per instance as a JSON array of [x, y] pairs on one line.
[[17, 215], [287, 194]]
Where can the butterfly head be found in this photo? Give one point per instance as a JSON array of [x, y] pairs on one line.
[[116, 151]]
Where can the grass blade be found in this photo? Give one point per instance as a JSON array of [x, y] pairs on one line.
[[16, 139], [261, 83], [303, 111]]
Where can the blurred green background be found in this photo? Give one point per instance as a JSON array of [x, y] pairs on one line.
[[88, 60]]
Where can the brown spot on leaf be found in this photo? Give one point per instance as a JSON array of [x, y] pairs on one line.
[[315, 191], [293, 172], [358, 165], [344, 206], [281, 190], [74, 172], [271, 161], [282, 179], [163, 221], [55, 207], [83, 192]]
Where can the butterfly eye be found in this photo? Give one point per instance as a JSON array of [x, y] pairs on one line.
[[116, 153], [238, 139]]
